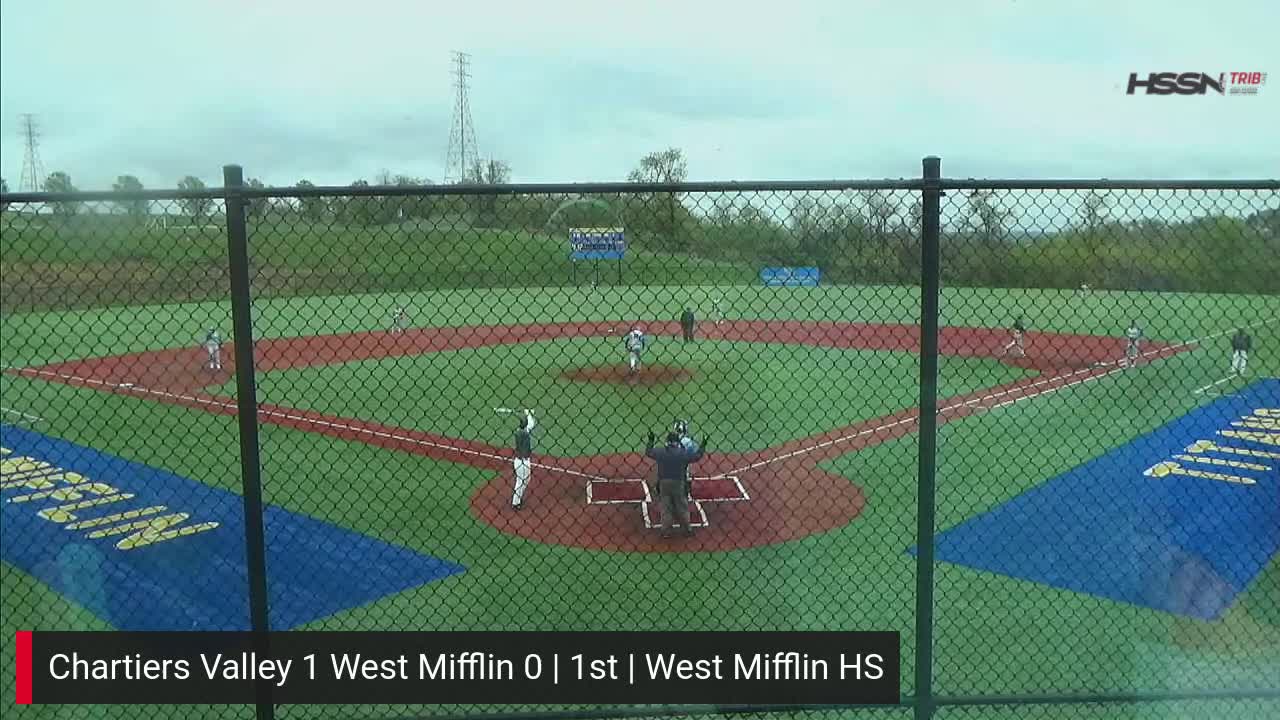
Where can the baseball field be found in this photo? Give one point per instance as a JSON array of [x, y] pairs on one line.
[[1088, 538]]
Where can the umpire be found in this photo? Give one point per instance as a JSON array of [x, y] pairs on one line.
[[673, 489], [686, 323]]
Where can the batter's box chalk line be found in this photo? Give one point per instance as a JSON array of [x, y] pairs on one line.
[[593, 496], [648, 510], [606, 491]]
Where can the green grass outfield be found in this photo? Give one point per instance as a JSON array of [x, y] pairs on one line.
[[993, 634]]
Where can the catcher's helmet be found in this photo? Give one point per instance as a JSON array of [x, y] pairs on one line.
[[681, 426]]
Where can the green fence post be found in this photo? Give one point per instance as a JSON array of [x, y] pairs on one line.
[[247, 414], [931, 209]]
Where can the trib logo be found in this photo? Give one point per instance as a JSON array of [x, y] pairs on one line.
[[1196, 83]]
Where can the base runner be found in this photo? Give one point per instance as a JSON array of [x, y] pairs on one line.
[[213, 347], [522, 463]]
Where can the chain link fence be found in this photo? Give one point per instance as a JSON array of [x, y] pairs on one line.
[[1032, 426]]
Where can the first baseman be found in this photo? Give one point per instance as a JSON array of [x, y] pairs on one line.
[[1241, 343], [1132, 336]]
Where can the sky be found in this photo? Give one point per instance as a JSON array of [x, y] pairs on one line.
[[579, 91]]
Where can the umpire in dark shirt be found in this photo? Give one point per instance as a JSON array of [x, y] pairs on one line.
[[686, 323], [673, 462]]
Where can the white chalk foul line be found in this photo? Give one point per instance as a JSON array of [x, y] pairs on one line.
[[991, 396], [297, 418], [1214, 384], [21, 414]]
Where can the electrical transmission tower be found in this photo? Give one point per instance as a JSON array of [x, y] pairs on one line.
[[32, 169], [463, 152]]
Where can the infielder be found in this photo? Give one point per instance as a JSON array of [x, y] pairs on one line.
[[1241, 343], [399, 321], [1018, 343], [523, 461], [1133, 336], [213, 346], [635, 342]]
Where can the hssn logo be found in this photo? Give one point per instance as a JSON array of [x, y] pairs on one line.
[[1167, 83]]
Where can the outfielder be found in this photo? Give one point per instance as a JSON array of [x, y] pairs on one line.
[[1018, 343], [1133, 336], [213, 346], [1241, 343], [635, 343], [399, 321], [523, 461], [717, 307]]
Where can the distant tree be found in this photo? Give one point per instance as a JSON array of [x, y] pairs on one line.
[[132, 208], [313, 208], [986, 218], [488, 172], [60, 182], [256, 207], [197, 208], [358, 210], [1093, 216], [412, 207], [4, 188], [880, 213], [665, 166], [659, 212]]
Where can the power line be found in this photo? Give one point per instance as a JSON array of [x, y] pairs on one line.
[[32, 169], [463, 150]]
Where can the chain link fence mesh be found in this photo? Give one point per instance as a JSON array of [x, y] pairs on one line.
[[401, 337]]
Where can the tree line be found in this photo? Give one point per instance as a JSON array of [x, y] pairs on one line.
[[869, 236]]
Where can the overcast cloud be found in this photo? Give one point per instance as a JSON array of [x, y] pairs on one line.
[[578, 91]]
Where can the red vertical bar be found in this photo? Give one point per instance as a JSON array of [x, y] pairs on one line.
[[24, 667]]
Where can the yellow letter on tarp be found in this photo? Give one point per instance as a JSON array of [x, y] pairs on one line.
[[1265, 438], [1205, 459], [153, 530], [1166, 469], [67, 513], [1206, 445]]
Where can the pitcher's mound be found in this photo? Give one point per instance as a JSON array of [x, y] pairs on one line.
[[618, 375]]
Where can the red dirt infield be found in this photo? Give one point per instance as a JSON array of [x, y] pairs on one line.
[[619, 375], [790, 496]]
